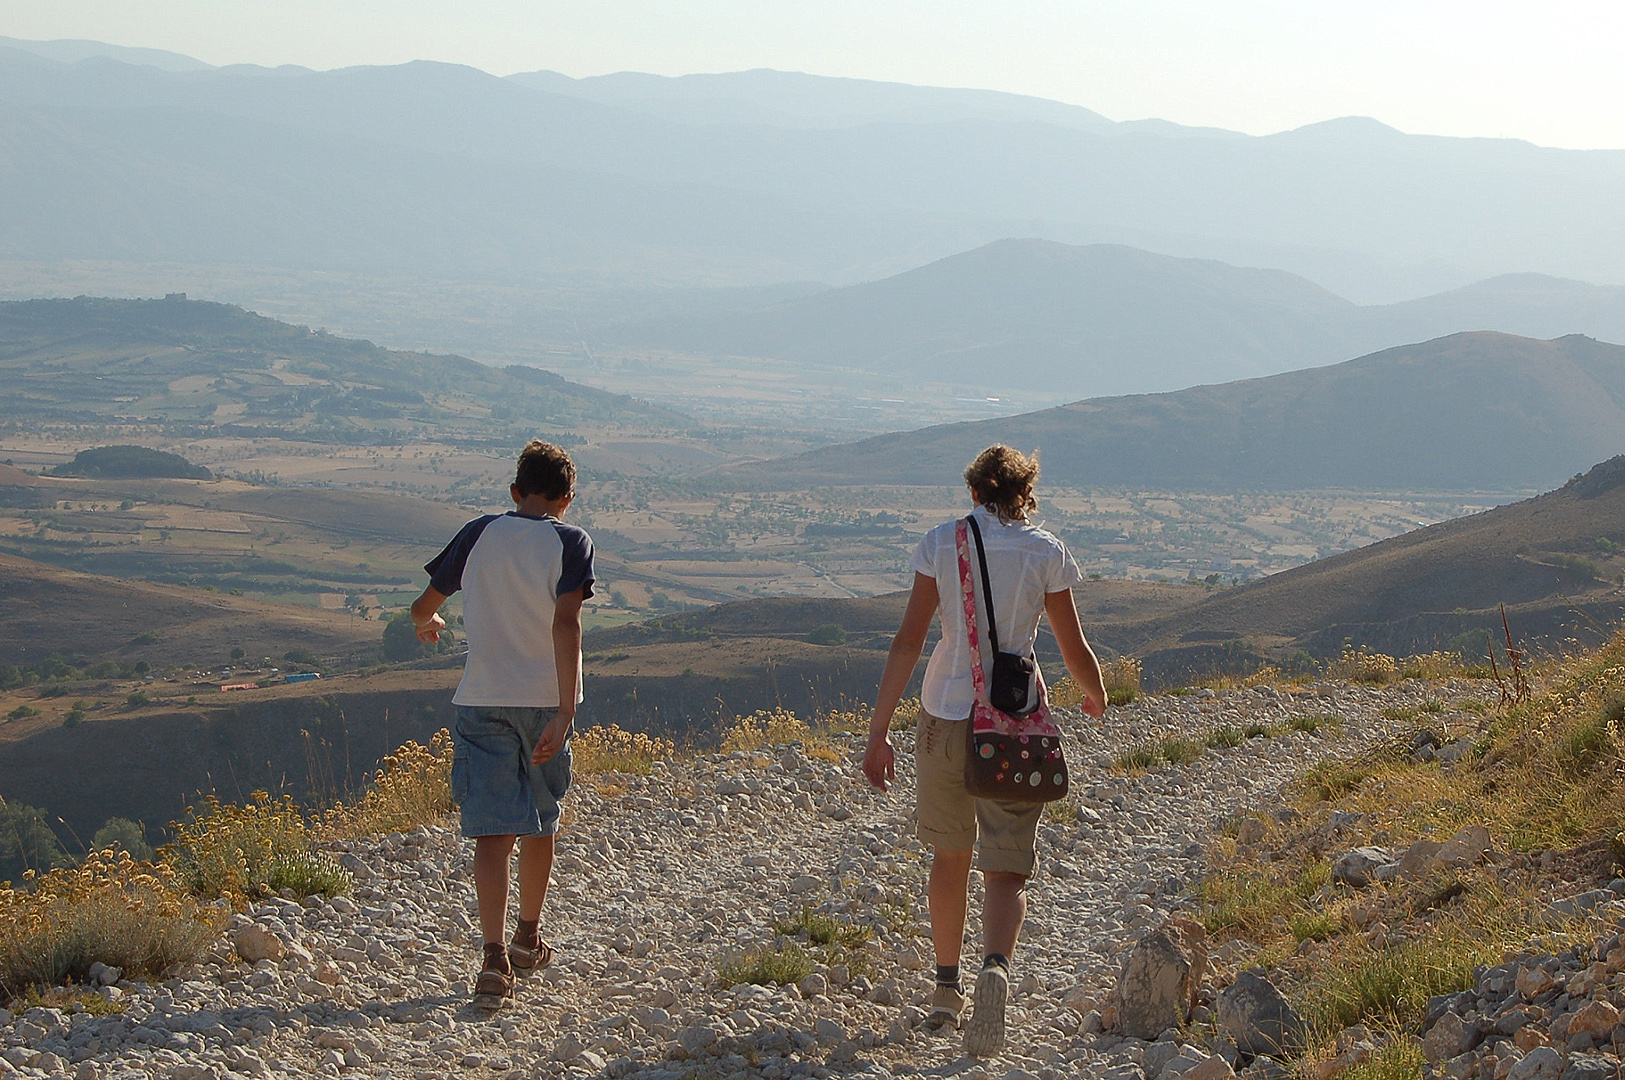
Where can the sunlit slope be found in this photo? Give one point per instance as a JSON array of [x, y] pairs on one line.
[[216, 366], [1473, 411]]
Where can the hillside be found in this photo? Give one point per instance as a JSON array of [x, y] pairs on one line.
[[87, 619], [744, 178], [1474, 411], [194, 367], [1032, 317], [1554, 560]]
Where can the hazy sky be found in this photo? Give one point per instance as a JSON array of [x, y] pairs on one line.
[[1548, 72]]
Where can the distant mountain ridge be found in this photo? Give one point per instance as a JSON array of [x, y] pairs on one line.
[[1104, 319], [747, 178], [200, 365], [1473, 411]]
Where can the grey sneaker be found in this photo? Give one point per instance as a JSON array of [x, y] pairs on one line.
[[947, 1005], [984, 1035]]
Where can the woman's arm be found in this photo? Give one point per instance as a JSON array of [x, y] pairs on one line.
[[1075, 651], [879, 763]]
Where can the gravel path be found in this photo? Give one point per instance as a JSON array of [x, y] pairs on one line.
[[661, 877]]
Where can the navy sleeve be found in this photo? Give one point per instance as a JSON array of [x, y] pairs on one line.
[[578, 570], [446, 569]]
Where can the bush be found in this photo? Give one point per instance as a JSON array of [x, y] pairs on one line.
[[412, 788], [766, 965], [26, 842], [821, 929], [245, 852], [109, 908], [303, 657], [22, 712], [401, 639], [765, 727], [1362, 665], [124, 835], [606, 749], [137, 699], [828, 634]]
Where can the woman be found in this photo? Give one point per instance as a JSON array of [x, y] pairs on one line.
[[1032, 574]]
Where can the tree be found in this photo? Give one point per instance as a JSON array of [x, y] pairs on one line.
[[401, 639], [26, 841], [236, 652], [123, 833], [828, 634]]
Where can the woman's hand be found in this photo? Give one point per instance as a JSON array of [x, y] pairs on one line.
[[1094, 706], [880, 761]]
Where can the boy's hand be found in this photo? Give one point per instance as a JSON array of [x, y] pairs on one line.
[[553, 737], [429, 630]]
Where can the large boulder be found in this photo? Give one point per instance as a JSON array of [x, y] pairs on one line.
[[1358, 868], [1160, 980], [1253, 1013]]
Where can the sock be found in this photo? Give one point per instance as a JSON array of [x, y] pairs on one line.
[[948, 975], [527, 933], [496, 957], [993, 958]]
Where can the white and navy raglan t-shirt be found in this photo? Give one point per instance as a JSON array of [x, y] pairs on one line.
[[511, 568]]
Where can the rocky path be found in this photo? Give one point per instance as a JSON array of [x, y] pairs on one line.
[[661, 878]]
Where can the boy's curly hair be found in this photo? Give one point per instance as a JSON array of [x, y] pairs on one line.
[[1003, 478], [545, 470]]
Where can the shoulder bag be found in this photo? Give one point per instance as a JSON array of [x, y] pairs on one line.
[[1014, 757]]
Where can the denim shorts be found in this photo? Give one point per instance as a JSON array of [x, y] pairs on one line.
[[497, 789]]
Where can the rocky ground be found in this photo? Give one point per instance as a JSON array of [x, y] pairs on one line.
[[662, 878]]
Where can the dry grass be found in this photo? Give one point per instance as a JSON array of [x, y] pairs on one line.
[[821, 738], [608, 749], [1551, 775], [109, 908], [413, 788], [245, 852], [1120, 676], [1363, 666], [764, 728]]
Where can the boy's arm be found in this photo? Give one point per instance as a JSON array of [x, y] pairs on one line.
[[567, 658], [425, 614]]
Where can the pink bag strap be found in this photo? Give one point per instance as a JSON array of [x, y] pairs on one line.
[[967, 596]]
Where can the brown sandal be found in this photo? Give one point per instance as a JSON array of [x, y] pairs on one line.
[[526, 958], [493, 988]]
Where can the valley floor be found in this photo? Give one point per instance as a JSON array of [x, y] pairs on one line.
[[662, 879]]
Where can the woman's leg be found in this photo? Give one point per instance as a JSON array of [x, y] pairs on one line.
[[1004, 907], [948, 897]]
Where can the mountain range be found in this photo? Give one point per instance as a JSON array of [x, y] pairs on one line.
[[1472, 411], [1070, 322], [742, 178]]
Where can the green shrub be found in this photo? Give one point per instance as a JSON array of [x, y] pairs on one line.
[[1225, 735], [828, 634], [821, 929], [1179, 751], [766, 965]]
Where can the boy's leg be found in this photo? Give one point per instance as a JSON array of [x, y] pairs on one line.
[[491, 855], [535, 868]]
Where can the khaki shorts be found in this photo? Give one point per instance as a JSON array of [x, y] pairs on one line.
[[951, 817]]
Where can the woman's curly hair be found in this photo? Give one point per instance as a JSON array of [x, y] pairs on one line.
[[1003, 478]]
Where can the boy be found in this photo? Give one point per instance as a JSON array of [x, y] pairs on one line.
[[524, 575]]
